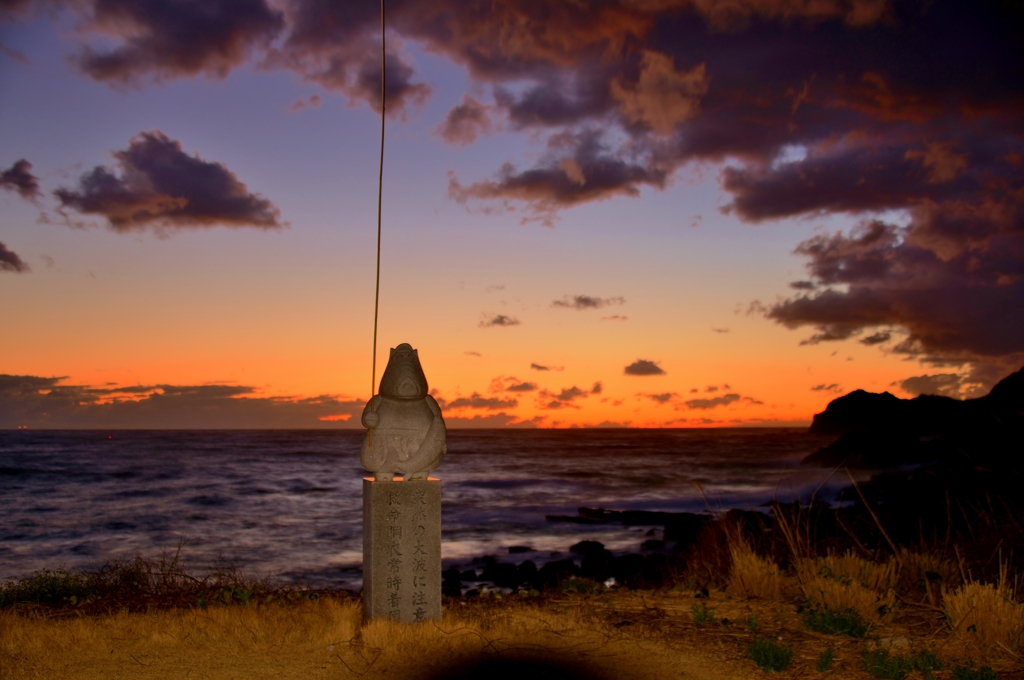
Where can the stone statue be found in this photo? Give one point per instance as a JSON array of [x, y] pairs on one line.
[[406, 431]]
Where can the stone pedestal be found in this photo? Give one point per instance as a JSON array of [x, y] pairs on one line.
[[402, 549]]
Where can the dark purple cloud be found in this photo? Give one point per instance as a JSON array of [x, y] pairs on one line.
[[542, 367], [10, 262], [521, 387], [19, 178], [337, 46], [567, 394], [942, 384], [47, 403], [705, 404], [465, 122], [663, 398], [549, 400], [477, 401], [644, 367], [10, 9], [951, 299], [491, 320], [490, 420], [833, 387], [876, 338], [400, 93], [578, 168], [160, 40], [313, 101], [158, 185], [582, 302]]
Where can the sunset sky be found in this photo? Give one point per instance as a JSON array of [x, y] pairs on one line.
[[650, 213]]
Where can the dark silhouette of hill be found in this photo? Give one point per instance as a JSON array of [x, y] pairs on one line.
[[942, 467], [882, 431]]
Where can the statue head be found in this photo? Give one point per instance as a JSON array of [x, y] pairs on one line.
[[403, 378]]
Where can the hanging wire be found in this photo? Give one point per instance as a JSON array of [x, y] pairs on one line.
[[380, 194]]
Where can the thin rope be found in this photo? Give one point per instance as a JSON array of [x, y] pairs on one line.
[[380, 194]]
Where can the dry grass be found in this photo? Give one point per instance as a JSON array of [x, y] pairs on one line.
[[881, 576], [842, 582], [985, 615], [918, 567], [324, 639], [752, 576], [829, 594], [927, 574], [618, 634], [158, 643]]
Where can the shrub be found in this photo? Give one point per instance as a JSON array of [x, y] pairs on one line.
[[770, 656], [926, 662], [881, 663], [850, 583], [137, 584], [826, 658], [986, 613], [918, 571], [972, 673], [702, 615], [576, 585], [48, 587], [848, 567], [752, 576], [833, 622]]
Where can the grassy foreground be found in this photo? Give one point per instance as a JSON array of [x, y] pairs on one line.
[[606, 636], [670, 633], [739, 603]]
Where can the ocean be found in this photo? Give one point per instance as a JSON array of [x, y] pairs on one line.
[[287, 504]]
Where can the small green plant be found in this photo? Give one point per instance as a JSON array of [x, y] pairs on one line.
[[752, 623], [926, 662], [575, 585], [770, 656], [832, 622], [243, 595], [972, 673], [882, 663], [702, 615], [826, 658]]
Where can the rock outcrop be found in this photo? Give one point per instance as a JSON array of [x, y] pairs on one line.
[[882, 431]]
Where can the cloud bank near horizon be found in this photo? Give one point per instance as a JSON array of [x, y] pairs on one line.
[[39, 402]]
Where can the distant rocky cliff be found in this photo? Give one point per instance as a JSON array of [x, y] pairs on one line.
[[937, 464], [881, 431]]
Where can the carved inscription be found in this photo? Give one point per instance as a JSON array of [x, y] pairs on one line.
[[394, 532], [402, 545]]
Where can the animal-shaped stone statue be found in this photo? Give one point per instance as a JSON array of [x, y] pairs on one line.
[[407, 433]]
